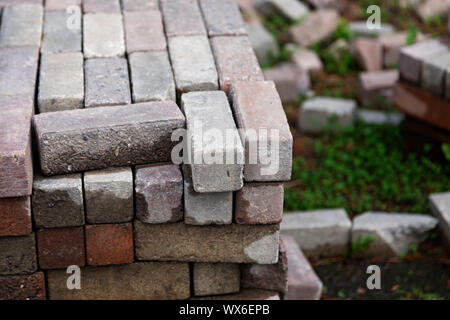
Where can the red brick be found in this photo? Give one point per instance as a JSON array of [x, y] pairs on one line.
[[368, 53], [103, 6], [26, 287], [144, 31], [109, 244], [15, 216], [60, 248]]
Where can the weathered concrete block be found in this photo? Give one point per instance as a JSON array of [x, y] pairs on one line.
[[193, 63], [61, 82], [60, 5], [246, 294], [182, 18], [290, 9], [265, 132], [307, 60], [360, 28], [101, 6], [26, 287], [320, 233], [379, 117], [231, 243], [57, 36], [18, 255], [222, 18], [159, 193], [100, 136], [139, 5], [136, 281], [368, 54], [440, 207], [58, 201], [103, 35], [215, 278], [21, 25], [263, 42], [434, 73], [259, 203], [109, 195], [15, 215], [316, 27], [107, 82], [235, 60], [151, 76], [373, 85], [392, 43], [216, 165]]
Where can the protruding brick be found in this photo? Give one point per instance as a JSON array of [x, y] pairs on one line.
[[379, 117], [103, 35], [392, 43], [440, 207], [60, 248], [109, 244], [373, 85], [159, 193], [61, 82], [57, 35], [222, 18], [101, 6], [60, 5], [151, 76], [144, 31], [139, 5], [26, 287], [290, 9], [235, 60], [212, 170], [307, 60], [58, 201], [18, 255], [434, 73], [368, 54], [215, 278], [193, 63], [246, 294], [182, 18], [107, 82], [15, 216], [231, 243], [136, 281], [259, 113], [316, 27], [100, 136]]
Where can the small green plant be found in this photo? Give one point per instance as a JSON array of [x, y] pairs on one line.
[[361, 246], [341, 294], [446, 151], [411, 36], [343, 31]]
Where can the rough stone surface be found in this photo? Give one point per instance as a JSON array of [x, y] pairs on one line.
[[57, 36], [368, 54], [136, 281], [431, 8], [246, 294], [391, 234], [159, 193], [215, 278], [440, 207], [109, 244], [360, 28], [379, 117], [103, 6], [58, 201], [60, 5], [316, 27], [307, 60], [193, 63], [222, 18], [103, 35], [434, 73], [15, 216], [263, 42], [392, 43], [21, 25], [373, 85], [109, 195], [290, 9], [151, 76], [60, 248], [61, 82], [25, 287], [320, 233], [107, 82], [139, 5], [259, 203], [209, 120], [258, 111], [182, 18], [235, 60], [99, 137], [18, 255], [231, 243]]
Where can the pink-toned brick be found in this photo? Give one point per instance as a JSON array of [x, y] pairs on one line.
[[15, 216], [103, 6], [222, 18], [368, 53], [23, 287], [144, 31], [182, 18], [60, 5], [372, 85]]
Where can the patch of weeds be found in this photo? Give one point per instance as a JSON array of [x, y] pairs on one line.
[[411, 36], [341, 294], [418, 294], [361, 246], [413, 249], [446, 151]]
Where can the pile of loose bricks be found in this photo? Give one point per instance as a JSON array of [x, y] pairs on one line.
[[94, 109]]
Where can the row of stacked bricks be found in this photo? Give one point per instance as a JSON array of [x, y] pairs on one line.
[[99, 102]]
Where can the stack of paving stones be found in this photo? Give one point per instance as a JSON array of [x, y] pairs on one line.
[[101, 103]]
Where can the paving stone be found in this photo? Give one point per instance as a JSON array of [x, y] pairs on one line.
[[26, 287], [216, 161], [159, 193], [391, 234], [151, 76], [379, 117], [434, 73], [440, 207], [368, 54], [60, 5], [58, 201], [258, 111], [205, 208], [192, 63], [6, 2], [107, 82], [392, 43], [100, 136], [411, 58], [230, 243], [359, 28], [246, 294], [60, 248], [17, 255], [57, 36], [376, 87], [136, 281], [222, 18], [432, 8], [144, 31], [316, 27], [182, 18], [303, 282], [21, 25], [15, 215], [101, 6], [289, 9], [307, 60], [259, 203], [109, 244], [235, 60], [61, 82], [109, 195], [215, 278], [320, 233], [318, 4], [263, 42], [103, 35], [139, 5]]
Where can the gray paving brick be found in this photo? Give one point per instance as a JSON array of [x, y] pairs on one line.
[[60, 5], [18, 255], [434, 72], [182, 18], [101, 6], [57, 36], [215, 278], [138, 5], [222, 18]]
